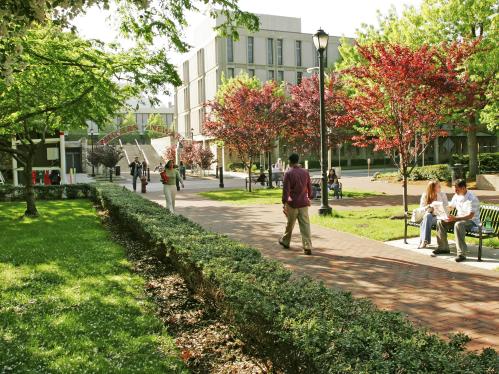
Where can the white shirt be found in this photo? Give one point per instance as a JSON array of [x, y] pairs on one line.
[[465, 204], [441, 196]]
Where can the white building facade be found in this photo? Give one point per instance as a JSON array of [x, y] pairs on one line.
[[278, 51]]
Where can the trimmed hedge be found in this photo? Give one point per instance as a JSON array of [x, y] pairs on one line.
[[440, 172], [489, 162], [300, 324], [66, 191]]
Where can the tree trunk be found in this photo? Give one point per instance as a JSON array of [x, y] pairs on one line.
[[404, 201], [249, 173], [111, 175], [473, 153], [31, 210]]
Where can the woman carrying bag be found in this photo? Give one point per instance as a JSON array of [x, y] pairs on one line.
[[169, 177], [425, 212]]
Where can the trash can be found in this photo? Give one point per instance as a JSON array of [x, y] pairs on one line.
[[117, 170], [458, 172]]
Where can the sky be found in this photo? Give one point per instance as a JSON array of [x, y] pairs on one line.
[[336, 17]]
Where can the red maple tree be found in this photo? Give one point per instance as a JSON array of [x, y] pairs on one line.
[[248, 119], [303, 115], [401, 95]]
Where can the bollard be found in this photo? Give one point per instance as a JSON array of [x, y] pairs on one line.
[[143, 183], [148, 175], [221, 173]]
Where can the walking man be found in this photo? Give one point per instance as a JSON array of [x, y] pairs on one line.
[[135, 172], [296, 195], [466, 219]]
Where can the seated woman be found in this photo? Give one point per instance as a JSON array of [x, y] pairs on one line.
[[333, 183], [433, 193]]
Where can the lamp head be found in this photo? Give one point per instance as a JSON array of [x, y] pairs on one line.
[[321, 38]]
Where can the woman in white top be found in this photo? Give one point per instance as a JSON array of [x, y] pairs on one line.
[[433, 193]]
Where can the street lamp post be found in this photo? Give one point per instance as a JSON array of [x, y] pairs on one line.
[[320, 40], [92, 138]]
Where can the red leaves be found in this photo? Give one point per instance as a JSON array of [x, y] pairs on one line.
[[248, 119], [403, 94]]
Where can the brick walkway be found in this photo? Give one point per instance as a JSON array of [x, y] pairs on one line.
[[446, 297]]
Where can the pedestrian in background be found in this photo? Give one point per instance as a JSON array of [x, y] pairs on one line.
[[135, 172], [169, 177], [296, 195]]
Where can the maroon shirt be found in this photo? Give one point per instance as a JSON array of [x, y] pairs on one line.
[[296, 189]]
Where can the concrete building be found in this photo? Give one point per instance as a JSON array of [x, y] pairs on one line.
[[279, 50]]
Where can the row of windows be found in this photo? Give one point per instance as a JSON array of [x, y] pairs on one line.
[[250, 45], [142, 119], [270, 74]]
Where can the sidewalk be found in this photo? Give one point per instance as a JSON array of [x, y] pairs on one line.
[[442, 295]]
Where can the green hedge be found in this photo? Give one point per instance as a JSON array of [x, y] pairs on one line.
[[300, 324], [489, 162], [67, 191], [439, 172]]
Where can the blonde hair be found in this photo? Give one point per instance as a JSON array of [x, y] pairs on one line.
[[431, 192]]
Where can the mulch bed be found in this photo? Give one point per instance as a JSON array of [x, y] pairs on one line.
[[206, 343]]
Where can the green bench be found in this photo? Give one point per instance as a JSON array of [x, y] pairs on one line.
[[489, 226]]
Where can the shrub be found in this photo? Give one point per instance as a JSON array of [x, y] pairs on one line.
[[489, 162], [439, 172], [300, 324], [69, 191]]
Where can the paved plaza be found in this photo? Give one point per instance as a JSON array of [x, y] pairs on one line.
[[442, 295]]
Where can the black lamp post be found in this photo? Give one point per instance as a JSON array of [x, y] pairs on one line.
[[92, 138], [320, 40]]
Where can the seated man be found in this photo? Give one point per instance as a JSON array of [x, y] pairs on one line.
[[468, 217]]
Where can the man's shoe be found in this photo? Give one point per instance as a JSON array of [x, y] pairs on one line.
[[460, 258], [284, 245], [307, 251], [439, 252]]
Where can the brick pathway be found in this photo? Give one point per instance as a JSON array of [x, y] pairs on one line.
[[446, 297]]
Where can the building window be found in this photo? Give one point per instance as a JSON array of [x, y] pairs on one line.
[[299, 76], [270, 75], [230, 50], [200, 60], [270, 51], [230, 73], [251, 72], [280, 75], [186, 72], [186, 98], [251, 42], [201, 94], [202, 114], [279, 51], [298, 52], [188, 129]]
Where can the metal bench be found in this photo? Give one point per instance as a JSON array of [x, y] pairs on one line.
[[255, 180], [489, 215], [317, 182]]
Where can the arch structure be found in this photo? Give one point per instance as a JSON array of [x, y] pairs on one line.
[[157, 129]]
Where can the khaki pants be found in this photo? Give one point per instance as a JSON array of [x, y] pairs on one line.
[[302, 215], [170, 191], [460, 228]]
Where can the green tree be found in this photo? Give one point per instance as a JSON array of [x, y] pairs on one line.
[[59, 82]]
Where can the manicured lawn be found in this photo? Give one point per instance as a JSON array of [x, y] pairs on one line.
[[375, 223], [69, 301], [264, 196]]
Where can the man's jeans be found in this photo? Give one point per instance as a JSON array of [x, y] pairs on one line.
[[134, 182], [460, 229], [302, 215]]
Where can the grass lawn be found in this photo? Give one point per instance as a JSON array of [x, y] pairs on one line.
[[264, 196], [375, 223], [69, 301]]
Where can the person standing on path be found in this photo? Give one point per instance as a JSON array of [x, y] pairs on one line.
[[169, 177], [181, 169], [135, 172], [296, 195]]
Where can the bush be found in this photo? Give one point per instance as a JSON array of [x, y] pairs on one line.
[[439, 172], [69, 191], [300, 324], [489, 162]]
